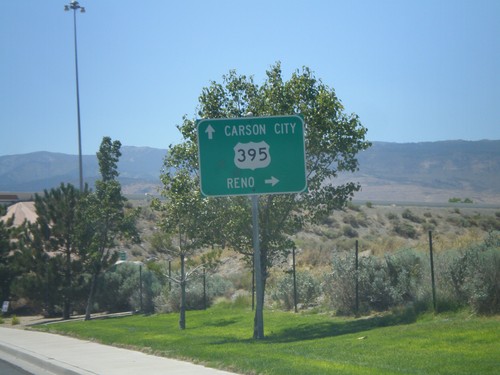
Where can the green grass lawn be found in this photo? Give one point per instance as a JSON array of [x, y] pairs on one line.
[[308, 344]]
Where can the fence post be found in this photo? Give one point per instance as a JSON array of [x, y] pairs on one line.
[[294, 280], [357, 280], [432, 273], [204, 289]]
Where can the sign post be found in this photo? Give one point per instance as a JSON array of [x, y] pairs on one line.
[[252, 156]]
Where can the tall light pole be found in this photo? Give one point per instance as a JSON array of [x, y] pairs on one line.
[[74, 5]]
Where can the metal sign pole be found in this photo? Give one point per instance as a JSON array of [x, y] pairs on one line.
[[259, 316]]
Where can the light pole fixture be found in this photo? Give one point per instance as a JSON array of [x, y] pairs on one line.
[[74, 5]]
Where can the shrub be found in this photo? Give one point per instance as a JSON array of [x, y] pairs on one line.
[[217, 286], [308, 289], [407, 214], [392, 216], [483, 282], [241, 298], [405, 230], [119, 289], [15, 320], [383, 283], [349, 232], [350, 205], [340, 285], [472, 277], [356, 221], [374, 284], [489, 223], [405, 271]]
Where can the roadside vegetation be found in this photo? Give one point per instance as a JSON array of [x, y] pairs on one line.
[[394, 269], [52, 266], [392, 343]]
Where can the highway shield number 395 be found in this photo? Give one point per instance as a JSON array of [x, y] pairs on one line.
[[252, 155]]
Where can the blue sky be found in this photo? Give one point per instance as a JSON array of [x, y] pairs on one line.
[[412, 70]]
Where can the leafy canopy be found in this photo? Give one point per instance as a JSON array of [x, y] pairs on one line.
[[333, 140]]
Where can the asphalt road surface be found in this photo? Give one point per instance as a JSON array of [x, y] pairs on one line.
[[7, 368]]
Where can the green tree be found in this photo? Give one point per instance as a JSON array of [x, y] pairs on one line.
[[39, 279], [7, 246], [104, 218], [333, 140], [56, 210], [186, 224]]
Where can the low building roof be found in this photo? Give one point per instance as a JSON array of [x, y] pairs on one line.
[[21, 211]]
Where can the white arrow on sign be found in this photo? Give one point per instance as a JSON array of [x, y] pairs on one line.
[[273, 181], [210, 131]]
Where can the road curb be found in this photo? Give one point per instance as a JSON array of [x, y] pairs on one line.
[[26, 359]]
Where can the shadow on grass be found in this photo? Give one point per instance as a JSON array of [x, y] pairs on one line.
[[222, 323], [314, 331]]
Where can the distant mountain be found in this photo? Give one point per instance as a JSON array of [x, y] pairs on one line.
[[420, 172], [430, 171], [139, 169]]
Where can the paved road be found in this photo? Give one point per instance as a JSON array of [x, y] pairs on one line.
[[7, 368]]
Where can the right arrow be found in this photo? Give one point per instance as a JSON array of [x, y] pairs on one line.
[[273, 181]]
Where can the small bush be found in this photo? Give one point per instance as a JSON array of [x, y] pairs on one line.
[[405, 230], [353, 207], [392, 216], [405, 271], [242, 298], [489, 223], [217, 286], [340, 286], [407, 214], [349, 232], [15, 320], [356, 221], [308, 290], [383, 283], [472, 277], [119, 289]]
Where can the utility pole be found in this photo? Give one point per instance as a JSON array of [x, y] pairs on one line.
[[74, 5]]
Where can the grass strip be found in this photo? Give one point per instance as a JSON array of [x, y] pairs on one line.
[[308, 344]]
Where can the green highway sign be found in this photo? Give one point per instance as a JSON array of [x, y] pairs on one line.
[[252, 155]]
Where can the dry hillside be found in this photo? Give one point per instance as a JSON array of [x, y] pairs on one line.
[[377, 228]]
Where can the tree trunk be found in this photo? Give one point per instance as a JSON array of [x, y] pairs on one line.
[[90, 300], [258, 328], [67, 287], [182, 318]]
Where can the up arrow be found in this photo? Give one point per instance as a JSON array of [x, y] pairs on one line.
[[210, 131], [273, 181]]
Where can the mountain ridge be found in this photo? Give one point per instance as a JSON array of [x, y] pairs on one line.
[[420, 171]]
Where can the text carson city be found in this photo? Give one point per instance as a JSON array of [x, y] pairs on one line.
[[259, 129]]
